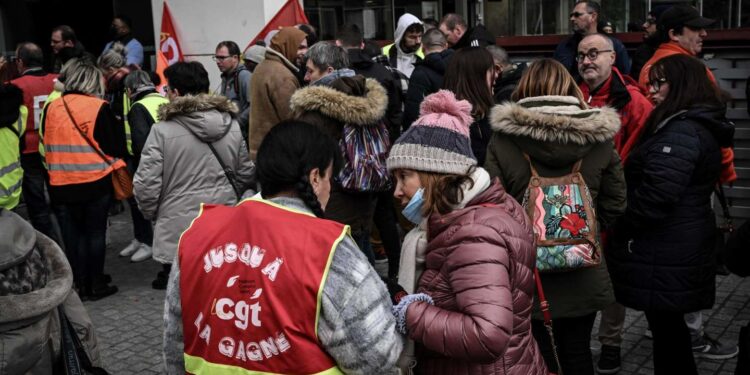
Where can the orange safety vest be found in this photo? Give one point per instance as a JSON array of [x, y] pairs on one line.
[[251, 284], [70, 158]]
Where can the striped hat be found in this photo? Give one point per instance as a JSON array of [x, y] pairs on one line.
[[439, 140]]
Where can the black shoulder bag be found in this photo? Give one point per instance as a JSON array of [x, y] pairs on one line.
[[75, 360]]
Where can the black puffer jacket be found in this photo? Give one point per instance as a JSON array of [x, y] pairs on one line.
[[661, 257], [426, 79], [507, 82], [363, 65]]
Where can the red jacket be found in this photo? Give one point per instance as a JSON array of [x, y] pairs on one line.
[[479, 272], [728, 173], [629, 99]]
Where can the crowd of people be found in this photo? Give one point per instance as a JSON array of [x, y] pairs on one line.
[[513, 202]]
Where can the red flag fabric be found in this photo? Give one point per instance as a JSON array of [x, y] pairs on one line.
[[290, 14], [169, 51]]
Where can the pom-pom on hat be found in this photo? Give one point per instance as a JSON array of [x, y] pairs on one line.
[[439, 140]]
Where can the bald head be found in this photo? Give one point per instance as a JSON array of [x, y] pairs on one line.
[[29, 56], [595, 59]]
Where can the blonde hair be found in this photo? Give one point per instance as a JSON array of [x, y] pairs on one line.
[[83, 76], [113, 58], [546, 77]]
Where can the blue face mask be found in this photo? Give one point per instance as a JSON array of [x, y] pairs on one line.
[[413, 210]]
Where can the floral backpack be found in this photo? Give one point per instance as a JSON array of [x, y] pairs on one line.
[[563, 219]]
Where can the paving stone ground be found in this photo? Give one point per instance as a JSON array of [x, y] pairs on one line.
[[129, 324]]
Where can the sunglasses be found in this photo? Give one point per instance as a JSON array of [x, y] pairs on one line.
[[577, 14], [592, 54]]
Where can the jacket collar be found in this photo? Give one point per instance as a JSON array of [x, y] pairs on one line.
[[674, 47], [275, 55], [353, 110], [555, 119], [613, 91], [195, 103]]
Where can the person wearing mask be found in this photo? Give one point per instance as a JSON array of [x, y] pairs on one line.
[[603, 85], [470, 75], [669, 226], [195, 154], [81, 182], [36, 287], [142, 115], [113, 65], [350, 38], [406, 48], [550, 123], [314, 295], [427, 77], [584, 20], [274, 83], [11, 174], [326, 62], [459, 35], [254, 56], [312, 38], [469, 312], [353, 101], [508, 74], [121, 32], [235, 79], [36, 85], [650, 41]]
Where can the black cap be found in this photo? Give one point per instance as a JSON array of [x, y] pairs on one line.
[[683, 15]]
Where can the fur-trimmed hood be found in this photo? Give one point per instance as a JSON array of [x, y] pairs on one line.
[[555, 119], [208, 116], [349, 109]]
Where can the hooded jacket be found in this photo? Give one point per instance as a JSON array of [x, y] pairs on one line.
[[629, 100], [36, 279], [402, 61], [178, 171], [555, 132], [272, 85], [666, 237], [426, 79]]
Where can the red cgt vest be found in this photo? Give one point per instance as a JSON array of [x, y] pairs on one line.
[[35, 89], [252, 280]]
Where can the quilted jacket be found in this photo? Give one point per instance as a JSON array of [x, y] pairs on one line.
[[478, 271]]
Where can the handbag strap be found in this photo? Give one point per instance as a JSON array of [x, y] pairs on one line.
[[70, 360], [228, 172], [83, 134], [719, 190], [544, 306]]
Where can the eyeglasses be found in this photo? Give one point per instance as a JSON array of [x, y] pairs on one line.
[[656, 83], [220, 58], [577, 14], [592, 54]]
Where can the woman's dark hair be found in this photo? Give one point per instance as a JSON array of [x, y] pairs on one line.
[[689, 86], [287, 155], [466, 76], [443, 192], [189, 78]]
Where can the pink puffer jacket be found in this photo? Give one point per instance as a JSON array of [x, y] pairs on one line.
[[479, 274]]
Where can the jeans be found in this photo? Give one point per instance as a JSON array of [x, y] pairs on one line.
[[35, 178], [673, 348], [84, 226], [572, 338], [142, 229], [387, 224]]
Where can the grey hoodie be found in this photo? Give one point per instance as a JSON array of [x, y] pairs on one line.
[[178, 171]]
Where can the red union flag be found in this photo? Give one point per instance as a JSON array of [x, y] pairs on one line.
[[290, 14], [169, 51]]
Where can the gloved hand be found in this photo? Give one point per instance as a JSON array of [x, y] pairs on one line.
[[394, 289]]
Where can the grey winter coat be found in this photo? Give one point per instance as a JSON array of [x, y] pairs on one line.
[[35, 278], [178, 171]]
